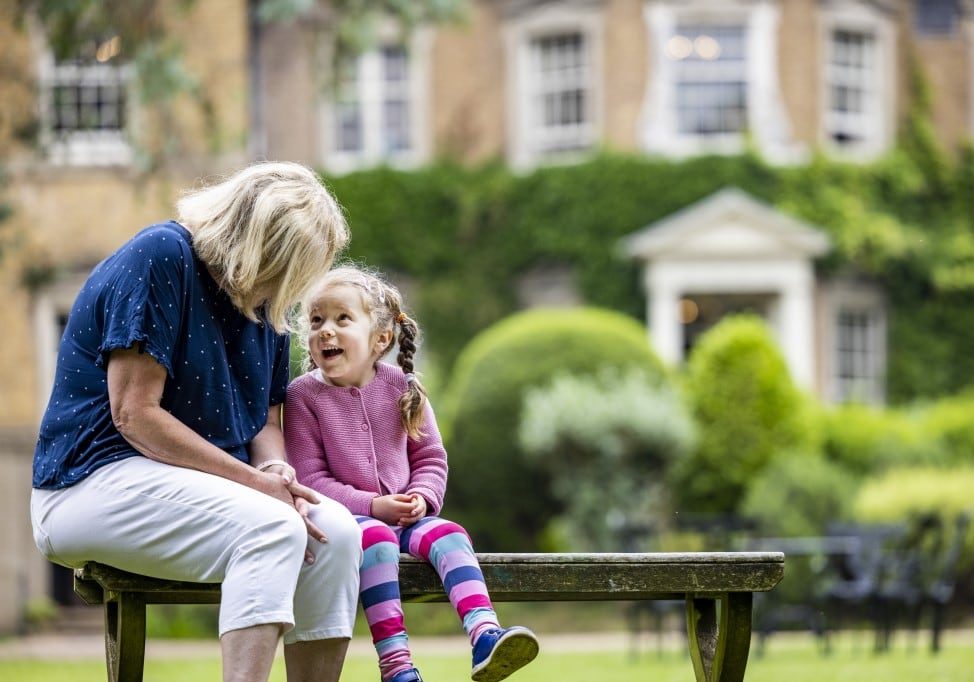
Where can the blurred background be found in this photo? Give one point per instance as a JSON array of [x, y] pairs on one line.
[[692, 274]]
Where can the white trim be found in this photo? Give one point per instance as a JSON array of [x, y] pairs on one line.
[[370, 96], [862, 17], [768, 122], [523, 150], [91, 147], [791, 319]]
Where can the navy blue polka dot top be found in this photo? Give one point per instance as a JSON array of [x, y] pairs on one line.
[[224, 370]]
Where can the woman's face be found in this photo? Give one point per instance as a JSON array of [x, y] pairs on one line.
[[341, 341]]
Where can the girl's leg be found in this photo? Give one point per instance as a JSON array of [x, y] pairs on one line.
[[380, 596], [446, 546]]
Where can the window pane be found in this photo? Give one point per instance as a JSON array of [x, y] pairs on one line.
[[936, 16], [87, 97], [711, 79], [857, 356], [395, 100], [852, 86], [559, 98], [348, 110]]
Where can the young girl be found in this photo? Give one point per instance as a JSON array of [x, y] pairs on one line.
[[362, 432]]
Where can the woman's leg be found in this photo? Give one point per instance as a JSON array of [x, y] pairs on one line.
[[380, 596], [326, 598], [446, 546], [180, 524]]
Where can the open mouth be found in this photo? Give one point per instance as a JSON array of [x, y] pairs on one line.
[[332, 352]]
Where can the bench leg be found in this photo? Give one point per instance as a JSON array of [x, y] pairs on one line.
[[124, 637], [720, 635]]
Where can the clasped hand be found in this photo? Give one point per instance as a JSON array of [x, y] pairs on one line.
[[399, 510]]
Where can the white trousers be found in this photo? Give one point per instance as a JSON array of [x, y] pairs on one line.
[[180, 524]]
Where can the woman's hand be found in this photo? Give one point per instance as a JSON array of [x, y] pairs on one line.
[[418, 511], [391, 508]]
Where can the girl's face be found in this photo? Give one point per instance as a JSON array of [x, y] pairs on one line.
[[341, 342]]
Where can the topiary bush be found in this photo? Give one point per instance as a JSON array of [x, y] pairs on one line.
[[605, 441], [504, 498], [747, 410]]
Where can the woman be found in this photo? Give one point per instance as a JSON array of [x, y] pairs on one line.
[[161, 450]]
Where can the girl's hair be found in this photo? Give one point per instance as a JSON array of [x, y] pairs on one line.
[[383, 303], [265, 232]]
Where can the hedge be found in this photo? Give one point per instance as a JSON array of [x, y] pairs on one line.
[[465, 235]]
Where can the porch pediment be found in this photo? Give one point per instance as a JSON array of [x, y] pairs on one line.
[[728, 224]]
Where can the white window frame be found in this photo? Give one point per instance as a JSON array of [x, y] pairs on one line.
[[845, 296], [861, 17], [767, 121], [84, 147], [370, 93], [525, 147]]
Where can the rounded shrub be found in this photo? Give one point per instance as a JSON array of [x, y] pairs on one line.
[[606, 454], [799, 494], [747, 410], [501, 495]]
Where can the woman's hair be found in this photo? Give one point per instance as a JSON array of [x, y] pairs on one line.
[[383, 303], [265, 232]]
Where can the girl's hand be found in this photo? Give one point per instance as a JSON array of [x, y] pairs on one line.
[[390, 508], [418, 510]]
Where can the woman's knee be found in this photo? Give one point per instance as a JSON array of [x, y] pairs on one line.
[[339, 526]]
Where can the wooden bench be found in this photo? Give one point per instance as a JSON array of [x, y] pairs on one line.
[[717, 588]]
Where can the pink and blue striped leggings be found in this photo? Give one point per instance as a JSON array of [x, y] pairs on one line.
[[446, 546]]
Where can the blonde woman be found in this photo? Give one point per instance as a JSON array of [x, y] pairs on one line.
[[161, 450]]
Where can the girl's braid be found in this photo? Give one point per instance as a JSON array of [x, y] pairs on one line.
[[413, 401]]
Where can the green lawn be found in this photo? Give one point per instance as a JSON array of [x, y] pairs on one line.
[[791, 659]]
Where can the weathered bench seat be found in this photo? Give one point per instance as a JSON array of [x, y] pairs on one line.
[[717, 587]]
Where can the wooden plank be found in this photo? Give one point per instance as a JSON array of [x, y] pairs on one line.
[[541, 577]]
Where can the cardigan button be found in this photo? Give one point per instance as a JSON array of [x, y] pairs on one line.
[[365, 427], [354, 391]]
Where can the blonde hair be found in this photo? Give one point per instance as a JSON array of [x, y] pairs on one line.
[[266, 232], [383, 303]]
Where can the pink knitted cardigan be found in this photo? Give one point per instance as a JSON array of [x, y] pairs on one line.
[[349, 443]]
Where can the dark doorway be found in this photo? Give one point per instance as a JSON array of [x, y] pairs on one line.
[[700, 312]]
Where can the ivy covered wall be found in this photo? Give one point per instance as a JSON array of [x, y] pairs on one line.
[[465, 235]]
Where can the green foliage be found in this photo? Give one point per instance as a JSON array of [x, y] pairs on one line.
[[605, 442], [798, 494], [504, 498], [910, 491], [747, 409], [948, 425], [865, 439]]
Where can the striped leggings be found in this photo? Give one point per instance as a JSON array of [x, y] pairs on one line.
[[446, 546]]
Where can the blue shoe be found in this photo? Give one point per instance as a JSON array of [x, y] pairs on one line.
[[498, 653], [411, 675]]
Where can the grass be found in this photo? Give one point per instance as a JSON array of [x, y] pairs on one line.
[[792, 658]]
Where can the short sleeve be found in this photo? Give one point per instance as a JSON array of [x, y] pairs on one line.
[[142, 302], [282, 370]]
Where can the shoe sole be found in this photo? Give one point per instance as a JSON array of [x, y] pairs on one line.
[[510, 654]]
